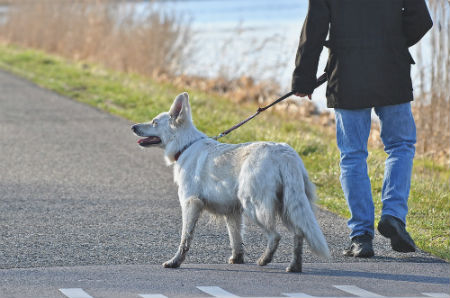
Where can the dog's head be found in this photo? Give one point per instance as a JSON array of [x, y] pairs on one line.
[[163, 128]]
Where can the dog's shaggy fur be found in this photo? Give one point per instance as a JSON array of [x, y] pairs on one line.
[[262, 180]]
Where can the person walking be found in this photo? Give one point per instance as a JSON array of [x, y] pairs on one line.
[[368, 67]]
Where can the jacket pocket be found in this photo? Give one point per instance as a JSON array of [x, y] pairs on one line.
[[403, 61]]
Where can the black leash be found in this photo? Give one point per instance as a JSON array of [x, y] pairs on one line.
[[320, 80]]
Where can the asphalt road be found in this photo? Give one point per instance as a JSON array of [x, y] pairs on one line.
[[249, 280], [76, 190]]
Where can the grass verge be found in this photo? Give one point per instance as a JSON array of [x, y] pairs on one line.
[[139, 99]]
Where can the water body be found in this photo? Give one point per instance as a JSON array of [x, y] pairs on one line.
[[242, 36], [256, 38]]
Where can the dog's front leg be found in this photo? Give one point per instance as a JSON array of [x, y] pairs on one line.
[[234, 225], [191, 210]]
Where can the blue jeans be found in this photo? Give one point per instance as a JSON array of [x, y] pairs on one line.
[[398, 133]]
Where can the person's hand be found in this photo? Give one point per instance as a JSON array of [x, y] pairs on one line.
[[303, 95]]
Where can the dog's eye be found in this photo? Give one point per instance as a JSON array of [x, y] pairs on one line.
[[154, 123]]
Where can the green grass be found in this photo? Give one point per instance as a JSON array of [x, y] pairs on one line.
[[139, 99]]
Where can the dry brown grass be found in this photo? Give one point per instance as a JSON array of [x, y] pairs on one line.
[[432, 106], [107, 32]]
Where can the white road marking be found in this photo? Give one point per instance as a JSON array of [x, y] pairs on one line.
[[152, 296], [297, 295], [354, 297], [75, 293], [216, 292], [357, 291], [219, 292]]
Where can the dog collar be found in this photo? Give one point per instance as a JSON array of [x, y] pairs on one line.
[[178, 154]]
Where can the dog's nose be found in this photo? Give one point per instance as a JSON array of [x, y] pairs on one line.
[[134, 128]]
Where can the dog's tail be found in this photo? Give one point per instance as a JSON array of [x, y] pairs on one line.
[[298, 208]]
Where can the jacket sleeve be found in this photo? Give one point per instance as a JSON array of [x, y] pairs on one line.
[[416, 20], [314, 31]]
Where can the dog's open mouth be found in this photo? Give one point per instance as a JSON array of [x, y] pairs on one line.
[[152, 140]]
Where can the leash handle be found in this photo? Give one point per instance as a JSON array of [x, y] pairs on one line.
[[320, 80]]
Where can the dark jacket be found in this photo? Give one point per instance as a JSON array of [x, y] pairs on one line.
[[369, 62]]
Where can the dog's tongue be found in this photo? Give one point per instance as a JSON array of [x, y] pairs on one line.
[[149, 140], [140, 141]]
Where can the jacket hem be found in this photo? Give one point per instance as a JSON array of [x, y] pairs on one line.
[[366, 106]]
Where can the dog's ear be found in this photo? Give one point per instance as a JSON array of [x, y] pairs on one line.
[[180, 111]]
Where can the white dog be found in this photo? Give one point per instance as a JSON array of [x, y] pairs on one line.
[[262, 180]]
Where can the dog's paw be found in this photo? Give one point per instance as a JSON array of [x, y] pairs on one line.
[[171, 264], [239, 259], [294, 268], [263, 261]]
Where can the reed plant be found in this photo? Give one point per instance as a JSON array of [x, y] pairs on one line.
[[432, 105], [117, 34], [143, 38]]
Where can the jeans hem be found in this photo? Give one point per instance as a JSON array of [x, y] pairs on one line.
[[393, 215]]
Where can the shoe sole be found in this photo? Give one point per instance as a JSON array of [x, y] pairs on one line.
[[366, 255], [399, 241], [358, 255]]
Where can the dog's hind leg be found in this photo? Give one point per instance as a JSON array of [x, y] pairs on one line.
[[273, 239], [296, 263], [267, 221], [191, 209], [234, 226], [264, 217]]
